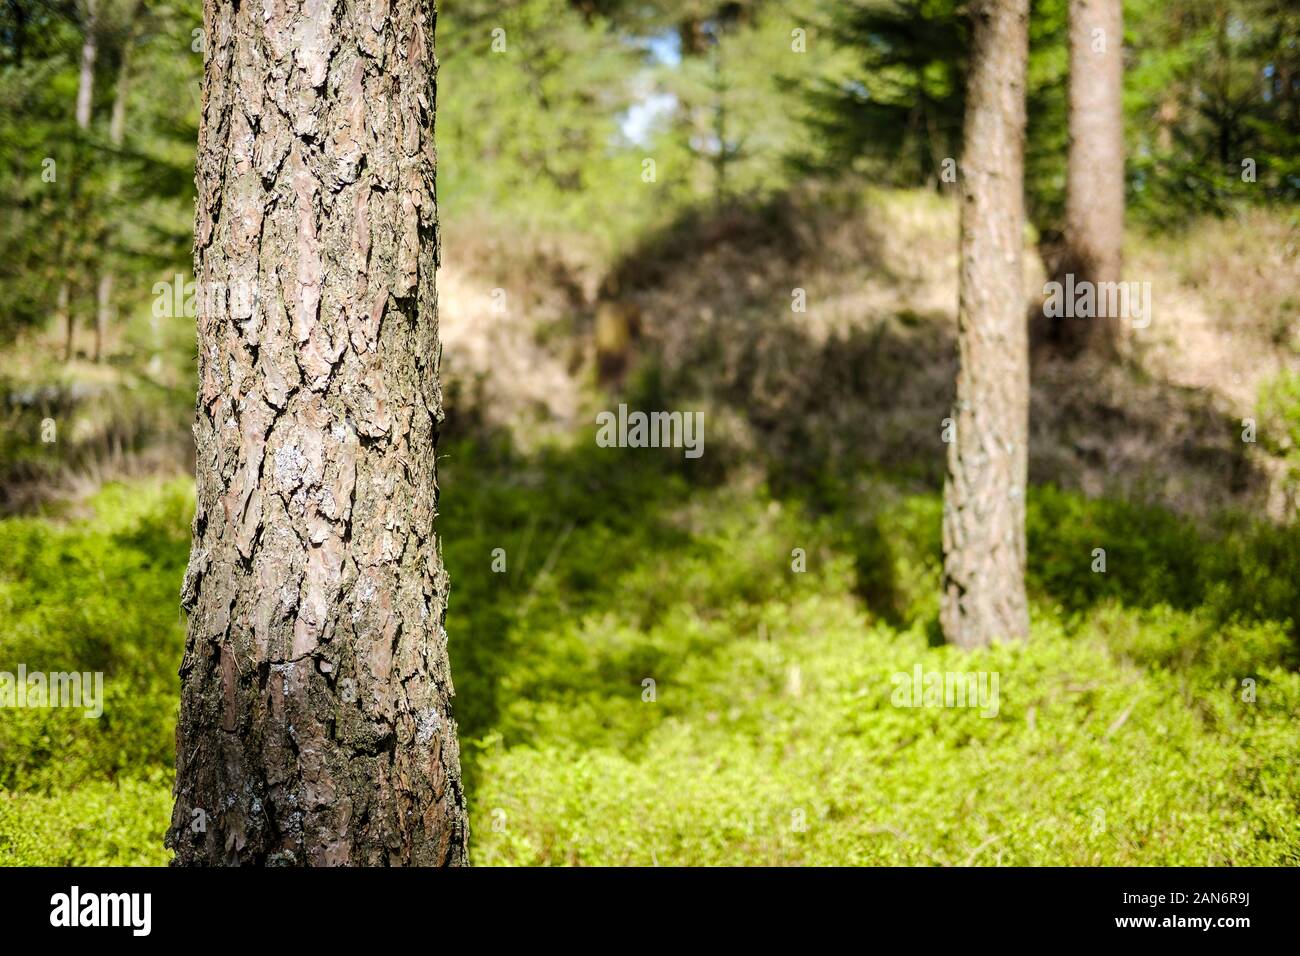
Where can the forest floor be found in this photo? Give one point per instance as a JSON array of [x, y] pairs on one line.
[[698, 661]]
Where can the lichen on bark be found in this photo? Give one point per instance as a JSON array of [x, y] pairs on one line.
[[316, 723]]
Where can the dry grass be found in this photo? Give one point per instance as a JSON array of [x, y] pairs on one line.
[[511, 318], [864, 375], [861, 379]]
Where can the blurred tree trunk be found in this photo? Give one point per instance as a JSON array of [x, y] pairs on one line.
[[86, 77], [20, 16], [85, 100], [316, 724], [984, 495], [63, 310], [617, 328], [1094, 201], [116, 137]]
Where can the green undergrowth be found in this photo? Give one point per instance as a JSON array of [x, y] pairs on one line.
[[649, 680]]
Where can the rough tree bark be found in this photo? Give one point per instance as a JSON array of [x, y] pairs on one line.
[[984, 494], [316, 724], [1094, 200]]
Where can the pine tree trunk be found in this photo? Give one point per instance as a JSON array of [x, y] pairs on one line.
[[984, 495], [316, 724], [1094, 204]]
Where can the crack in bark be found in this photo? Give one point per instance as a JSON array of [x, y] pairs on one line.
[[316, 723]]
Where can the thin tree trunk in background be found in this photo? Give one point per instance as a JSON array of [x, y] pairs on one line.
[[86, 79], [116, 136], [719, 123], [85, 99], [1094, 204], [695, 116], [20, 16], [316, 724], [64, 315], [984, 495]]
